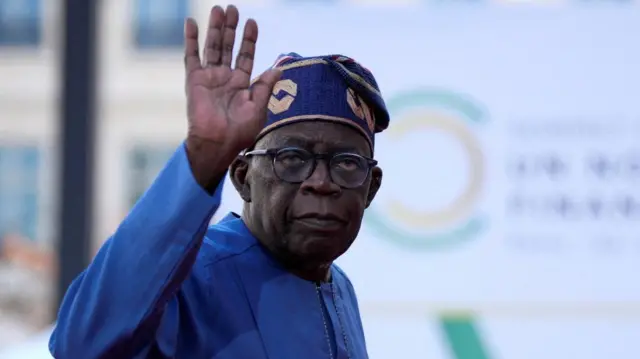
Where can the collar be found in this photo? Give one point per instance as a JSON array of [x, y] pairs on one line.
[[233, 222]]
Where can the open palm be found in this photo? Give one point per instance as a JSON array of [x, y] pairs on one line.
[[222, 109]]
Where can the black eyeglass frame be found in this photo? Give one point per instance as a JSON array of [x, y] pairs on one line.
[[328, 157]]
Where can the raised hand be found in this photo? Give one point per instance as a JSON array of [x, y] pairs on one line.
[[224, 114]]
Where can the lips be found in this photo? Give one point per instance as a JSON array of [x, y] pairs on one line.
[[320, 222]]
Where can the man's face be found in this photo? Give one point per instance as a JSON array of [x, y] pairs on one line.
[[315, 221]]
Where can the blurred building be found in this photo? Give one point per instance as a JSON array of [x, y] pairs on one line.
[[141, 121]]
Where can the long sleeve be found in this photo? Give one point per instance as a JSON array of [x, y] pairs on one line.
[[114, 308]]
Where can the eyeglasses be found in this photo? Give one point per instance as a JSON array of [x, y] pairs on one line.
[[295, 165]]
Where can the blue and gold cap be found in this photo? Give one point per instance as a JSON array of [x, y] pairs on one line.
[[332, 88]]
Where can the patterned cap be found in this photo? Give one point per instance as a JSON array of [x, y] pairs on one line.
[[332, 88]]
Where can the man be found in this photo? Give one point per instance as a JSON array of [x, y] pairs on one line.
[[258, 286]]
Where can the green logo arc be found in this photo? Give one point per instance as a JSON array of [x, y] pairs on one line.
[[374, 219]]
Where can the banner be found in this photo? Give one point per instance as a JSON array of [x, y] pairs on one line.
[[508, 222]]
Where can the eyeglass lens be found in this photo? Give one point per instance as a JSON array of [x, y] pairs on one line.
[[296, 165]]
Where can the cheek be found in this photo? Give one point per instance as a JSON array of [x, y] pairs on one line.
[[357, 202], [355, 210], [274, 199], [280, 198]]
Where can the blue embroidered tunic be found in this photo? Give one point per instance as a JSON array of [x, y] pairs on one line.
[[166, 285]]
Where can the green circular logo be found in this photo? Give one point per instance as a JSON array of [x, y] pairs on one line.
[[453, 116]]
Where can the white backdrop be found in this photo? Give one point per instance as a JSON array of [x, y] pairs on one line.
[[507, 224]]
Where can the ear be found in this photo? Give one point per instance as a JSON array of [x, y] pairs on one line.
[[374, 186], [238, 173]]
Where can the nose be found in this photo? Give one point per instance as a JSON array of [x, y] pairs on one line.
[[320, 181]]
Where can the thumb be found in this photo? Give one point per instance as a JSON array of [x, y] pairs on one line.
[[262, 88]]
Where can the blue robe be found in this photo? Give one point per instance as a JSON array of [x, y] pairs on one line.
[[166, 285]]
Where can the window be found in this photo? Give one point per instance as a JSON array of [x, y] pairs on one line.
[[160, 23], [19, 173], [144, 164], [20, 22]]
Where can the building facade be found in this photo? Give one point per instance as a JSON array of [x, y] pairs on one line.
[[141, 117]]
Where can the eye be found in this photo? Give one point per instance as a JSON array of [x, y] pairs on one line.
[[292, 158], [348, 163]]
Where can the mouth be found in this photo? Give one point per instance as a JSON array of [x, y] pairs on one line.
[[321, 222]]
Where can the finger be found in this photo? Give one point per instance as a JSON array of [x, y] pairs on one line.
[[229, 34], [263, 87], [213, 41], [244, 61], [191, 52]]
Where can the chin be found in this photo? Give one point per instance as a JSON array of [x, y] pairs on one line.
[[320, 248]]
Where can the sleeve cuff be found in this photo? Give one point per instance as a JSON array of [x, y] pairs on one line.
[[181, 195]]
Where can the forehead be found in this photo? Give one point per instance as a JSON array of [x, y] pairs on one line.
[[319, 136]]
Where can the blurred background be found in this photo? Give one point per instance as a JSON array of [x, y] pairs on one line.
[[508, 222]]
